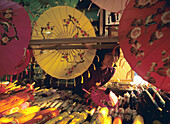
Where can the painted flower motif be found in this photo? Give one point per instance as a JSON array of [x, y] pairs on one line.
[[137, 54], [67, 22], [158, 34], [161, 71], [139, 63], [69, 72], [153, 1], [82, 31], [163, 52], [152, 68], [5, 39], [149, 20], [151, 43], [133, 50], [9, 11], [143, 2], [167, 64], [137, 45], [151, 80], [7, 16], [135, 33], [142, 53], [65, 57], [168, 72], [164, 59], [154, 64], [166, 17], [5, 24], [148, 74]]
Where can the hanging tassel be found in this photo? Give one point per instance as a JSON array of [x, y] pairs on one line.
[[98, 59], [34, 66], [89, 6], [94, 66], [29, 66], [98, 12], [66, 83], [39, 70], [91, 20], [58, 83], [74, 82], [22, 74], [88, 73], [82, 79], [11, 78], [50, 80], [26, 71], [25, 50], [6, 78]]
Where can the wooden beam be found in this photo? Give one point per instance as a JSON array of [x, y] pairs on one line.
[[57, 47], [101, 23], [74, 40]]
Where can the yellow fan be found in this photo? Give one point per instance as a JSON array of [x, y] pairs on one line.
[[63, 22]]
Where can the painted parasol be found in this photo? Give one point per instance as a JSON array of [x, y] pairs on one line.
[[21, 66], [35, 8], [102, 98], [124, 72], [63, 22], [111, 5], [15, 34], [144, 38]]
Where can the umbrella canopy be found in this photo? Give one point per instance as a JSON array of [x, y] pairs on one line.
[[15, 34], [22, 64], [35, 8], [111, 5], [63, 22], [124, 72], [144, 38]]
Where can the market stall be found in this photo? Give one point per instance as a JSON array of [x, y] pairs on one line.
[[42, 70]]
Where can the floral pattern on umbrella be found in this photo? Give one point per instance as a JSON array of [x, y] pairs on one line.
[[63, 22], [145, 45], [6, 23], [13, 36]]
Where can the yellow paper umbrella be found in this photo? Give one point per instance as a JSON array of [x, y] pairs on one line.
[[124, 72], [63, 22]]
